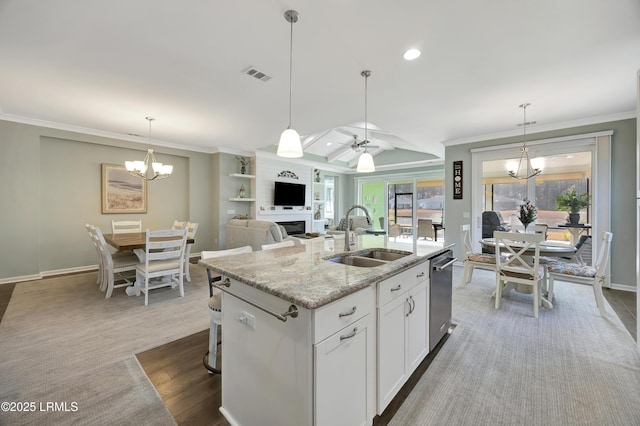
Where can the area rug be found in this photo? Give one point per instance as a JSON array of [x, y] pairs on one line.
[[505, 367], [69, 353]]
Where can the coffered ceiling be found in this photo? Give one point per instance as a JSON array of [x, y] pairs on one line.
[[101, 67]]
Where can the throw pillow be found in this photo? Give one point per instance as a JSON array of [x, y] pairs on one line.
[[342, 225]]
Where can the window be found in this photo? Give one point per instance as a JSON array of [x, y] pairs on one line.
[[580, 160], [562, 171]]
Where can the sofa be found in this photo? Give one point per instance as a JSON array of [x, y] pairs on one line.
[[357, 225], [254, 233]]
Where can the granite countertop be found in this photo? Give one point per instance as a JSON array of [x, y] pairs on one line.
[[302, 275]]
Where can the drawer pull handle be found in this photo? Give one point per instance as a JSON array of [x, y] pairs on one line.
[[346, 314], [421, 274], [396, 288], [350, 335]]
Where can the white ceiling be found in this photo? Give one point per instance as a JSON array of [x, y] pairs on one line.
[[105, 65]]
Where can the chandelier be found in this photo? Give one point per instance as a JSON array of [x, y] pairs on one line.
[[290, 145], [365, 162], [528, 171], [141, 168]]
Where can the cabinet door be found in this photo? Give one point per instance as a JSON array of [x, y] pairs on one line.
[[344, 376], [417, 342], [391, 349]]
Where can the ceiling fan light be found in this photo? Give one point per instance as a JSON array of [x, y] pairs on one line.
[[289, 145], [365, 163]]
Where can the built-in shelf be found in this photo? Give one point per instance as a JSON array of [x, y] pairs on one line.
[[318, 201], [240, 175], [242, 199]]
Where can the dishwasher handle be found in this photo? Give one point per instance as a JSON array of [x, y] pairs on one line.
[[448, 262]]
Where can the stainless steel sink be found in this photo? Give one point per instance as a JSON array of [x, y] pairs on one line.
[[384, 254], [363, 262], [369, 258]]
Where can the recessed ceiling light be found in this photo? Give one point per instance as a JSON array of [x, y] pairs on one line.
[[328, 143], [411, 54]]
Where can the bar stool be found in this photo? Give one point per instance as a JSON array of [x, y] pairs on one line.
[[215, 307]]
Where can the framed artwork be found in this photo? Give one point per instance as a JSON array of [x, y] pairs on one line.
[[122, 192]]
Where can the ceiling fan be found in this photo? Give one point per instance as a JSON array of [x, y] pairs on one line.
[[358, 145]]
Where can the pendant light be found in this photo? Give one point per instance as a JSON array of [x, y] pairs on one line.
[[529, 171], [290, 145], [365, 162], [140, 168]]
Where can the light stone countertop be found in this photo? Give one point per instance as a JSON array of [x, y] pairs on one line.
[[302, 276]]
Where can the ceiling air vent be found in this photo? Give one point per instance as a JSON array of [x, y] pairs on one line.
[[251, 71]]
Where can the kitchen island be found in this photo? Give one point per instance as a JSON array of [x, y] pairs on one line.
[[310, 340]]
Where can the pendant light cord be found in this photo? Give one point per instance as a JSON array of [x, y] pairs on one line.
[[365, 74], [290, 71], [366, 135], [150, 119], [524, 126]]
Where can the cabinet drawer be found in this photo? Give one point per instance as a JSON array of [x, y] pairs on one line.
[[339, 314], [398, 284]]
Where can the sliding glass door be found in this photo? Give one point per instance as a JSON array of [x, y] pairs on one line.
[[579, 162], [407, 208]]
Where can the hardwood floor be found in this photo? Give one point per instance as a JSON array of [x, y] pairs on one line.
[[624, 305], [6, 290], [190, 393], [193, 396]]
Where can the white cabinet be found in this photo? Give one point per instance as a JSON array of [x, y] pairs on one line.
[[344, 362], [344, 375], [402, 330], [315, 369]]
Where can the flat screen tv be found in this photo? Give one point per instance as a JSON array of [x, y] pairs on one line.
[[289, 194]]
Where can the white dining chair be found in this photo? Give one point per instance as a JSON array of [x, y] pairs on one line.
[[163, 257], [96, 245], [126, 226], [215, 304], [114, 266], [471, 259], [286, 243], [585, 274], [540, 228], [179, 224], [519, 266], [192, 229]]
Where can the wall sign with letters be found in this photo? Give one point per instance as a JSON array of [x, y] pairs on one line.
[[457, 180]]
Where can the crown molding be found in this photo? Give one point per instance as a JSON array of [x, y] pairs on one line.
[[543, 128]]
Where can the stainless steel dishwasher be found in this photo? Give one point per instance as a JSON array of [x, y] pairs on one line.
[[441, 272]]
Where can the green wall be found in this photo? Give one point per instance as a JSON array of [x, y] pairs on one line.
[[623, 190], [51, 187]]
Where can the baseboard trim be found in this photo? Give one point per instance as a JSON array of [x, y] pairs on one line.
[[69, 271], [20, 279], [46, 274], [624, 287]]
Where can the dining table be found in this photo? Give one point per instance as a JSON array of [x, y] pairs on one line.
[[130, 240], [575, 229], [552, 249], [547, 248]]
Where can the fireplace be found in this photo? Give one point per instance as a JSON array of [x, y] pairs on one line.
[[294, 227]]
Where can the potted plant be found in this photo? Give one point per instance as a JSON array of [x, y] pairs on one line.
[[527, 213], [572, 202]]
